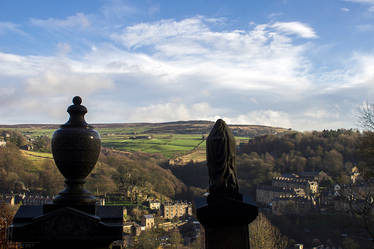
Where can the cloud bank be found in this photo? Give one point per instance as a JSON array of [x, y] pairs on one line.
[[181, 70]]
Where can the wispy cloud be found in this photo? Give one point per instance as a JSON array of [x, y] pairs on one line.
[[257, 59], [297, 28], [365, 27], [79, 20], [185, 69], [6, 27], [370, 3], [116, 9]]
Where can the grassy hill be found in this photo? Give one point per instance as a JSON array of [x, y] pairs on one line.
[[171, 139]]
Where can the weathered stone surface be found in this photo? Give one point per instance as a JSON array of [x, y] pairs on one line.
[[76, 148], [221, 160], [225, 214], [67, 226]]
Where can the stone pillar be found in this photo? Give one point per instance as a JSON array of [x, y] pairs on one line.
[[225, 214], [73, 220], [226, 222]]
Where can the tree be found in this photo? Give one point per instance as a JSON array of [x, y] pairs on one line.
[[42, 143], [349, 243], [366, 146], [148, 240], [361, 203], [176, 239], [263, 235], [7, 213], [366, 116]]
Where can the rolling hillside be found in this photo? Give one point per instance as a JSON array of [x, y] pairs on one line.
[[172, 139]]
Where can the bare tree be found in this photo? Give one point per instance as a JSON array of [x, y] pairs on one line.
[[6, 216], [360, 198], [366, 116], [263, 235], [361, 205]]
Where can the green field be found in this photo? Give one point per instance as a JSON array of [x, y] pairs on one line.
[[166, 144], [166, 141], [37, 156]]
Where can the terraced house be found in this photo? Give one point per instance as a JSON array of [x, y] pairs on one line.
[[171, 210]]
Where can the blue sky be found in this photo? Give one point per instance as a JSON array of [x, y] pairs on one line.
[[301, 64]]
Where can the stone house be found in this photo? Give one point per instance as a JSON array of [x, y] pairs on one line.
[[166, 226], [292, 205], [148, 221], [26, 147], [170, 210], [309, 186], [9, 199], [126, 228], [2, 143], [286, 186], [355, 174], [266, 193], [154, 205]]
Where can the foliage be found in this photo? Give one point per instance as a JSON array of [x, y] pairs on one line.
[[155, 238], [349, 243], [361, 204], [42, 144], [7, 213], [366, 150], [133, 172], [333, 151], [148, 239], [114, 172], [263, 235], [14, 137]]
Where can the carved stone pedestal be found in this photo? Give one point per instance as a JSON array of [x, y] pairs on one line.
[[67, 227], [226, 222]]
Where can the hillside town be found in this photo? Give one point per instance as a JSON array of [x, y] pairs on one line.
[[169, 216], [289, 194], [307, 192]]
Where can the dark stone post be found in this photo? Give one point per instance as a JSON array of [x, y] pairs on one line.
[[73, 220], [225, 214]]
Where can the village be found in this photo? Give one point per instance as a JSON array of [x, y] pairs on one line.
[[308, 192], [289, 194], [146, 216]]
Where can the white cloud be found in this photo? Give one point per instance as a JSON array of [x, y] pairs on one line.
[[321, 114], [296, 28], [66, 82], [358, 73], [5, 91], [367, 2], [181, 70], [345, 9], [365, 27], [262, 117], [63, 48], [361, 1], [6, 27], [117, 9], [79, 20], [258, 59], [172, 112]]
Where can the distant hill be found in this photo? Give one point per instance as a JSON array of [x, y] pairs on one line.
[[178, 127]]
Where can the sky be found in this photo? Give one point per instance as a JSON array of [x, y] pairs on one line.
[[300, 64]]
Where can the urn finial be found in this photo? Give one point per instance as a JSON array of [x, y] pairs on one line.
[[76, 148], [77, 112]]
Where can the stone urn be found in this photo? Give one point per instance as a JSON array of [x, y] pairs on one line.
[[76, 148]]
